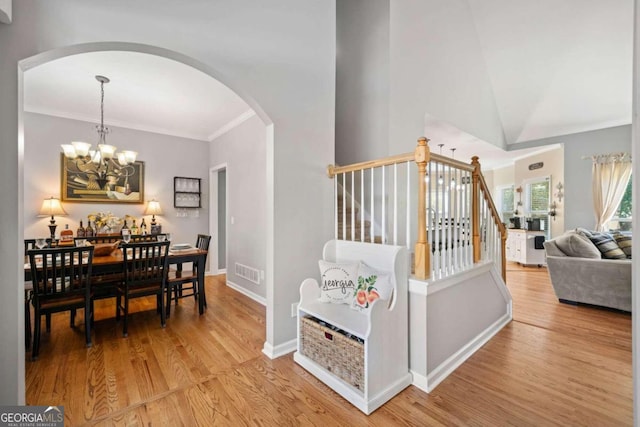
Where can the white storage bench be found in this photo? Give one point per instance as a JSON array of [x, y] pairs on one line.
[[363, 356]]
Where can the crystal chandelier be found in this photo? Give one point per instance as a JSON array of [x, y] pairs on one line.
[[102, 168]]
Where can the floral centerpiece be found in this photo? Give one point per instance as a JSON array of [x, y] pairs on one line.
[[105, 222]]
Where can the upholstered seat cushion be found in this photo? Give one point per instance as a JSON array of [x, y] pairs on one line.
[[574, 244]]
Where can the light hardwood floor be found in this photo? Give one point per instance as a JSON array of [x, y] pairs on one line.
[[555, 364]]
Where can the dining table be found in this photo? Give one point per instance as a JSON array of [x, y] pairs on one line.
[[112, 264]]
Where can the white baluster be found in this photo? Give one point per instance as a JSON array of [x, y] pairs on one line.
[[353, 214], [384, 207], [408, 212], [372, 207], [335, 205], [362, 227], [395, 203]]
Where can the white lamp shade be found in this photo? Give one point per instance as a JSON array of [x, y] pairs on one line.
[[51, 207], [122, 159], [130, 156], [69, 151], [82, 148], [95, 156], [153, 208], [107, 151]]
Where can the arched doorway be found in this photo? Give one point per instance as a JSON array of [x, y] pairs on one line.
[[40, 59]]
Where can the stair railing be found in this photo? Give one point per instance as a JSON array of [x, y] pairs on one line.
[[456, 225]]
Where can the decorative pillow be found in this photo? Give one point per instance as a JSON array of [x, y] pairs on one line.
[[338, 281], [576, 245], [607, 246], [624, 242], [583, 231], [372, 284]]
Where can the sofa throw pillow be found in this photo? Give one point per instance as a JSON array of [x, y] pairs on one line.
[[338, 281], [607, 246], [372, 285], [624, 242], [574, 244]]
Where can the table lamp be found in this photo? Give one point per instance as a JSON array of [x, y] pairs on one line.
[[51, 207], [153, 208]]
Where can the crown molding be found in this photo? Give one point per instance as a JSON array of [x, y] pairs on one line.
[[114, 123], [232, 124]]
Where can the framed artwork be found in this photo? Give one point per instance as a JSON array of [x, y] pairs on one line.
[[105, 182]]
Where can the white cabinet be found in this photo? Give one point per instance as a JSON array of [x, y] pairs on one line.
[[520, 247], [381, 332]]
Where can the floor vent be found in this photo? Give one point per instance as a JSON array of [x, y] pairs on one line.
[[249, 273]]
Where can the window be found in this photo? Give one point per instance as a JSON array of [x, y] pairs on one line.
[[506, 204], [621, 220], [537, 200]]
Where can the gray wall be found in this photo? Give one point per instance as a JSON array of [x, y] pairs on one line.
[[279, 57], [43, 136], [243, 149], [222, 219], [577, 205], [362, 80]]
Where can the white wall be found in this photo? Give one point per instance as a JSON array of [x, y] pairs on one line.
[[362, 80], [43, 136], [578, 202], [278, 56], [243, 150], [553, 167], [437, 68]]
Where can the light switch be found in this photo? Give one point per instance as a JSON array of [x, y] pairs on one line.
[[233, 220]]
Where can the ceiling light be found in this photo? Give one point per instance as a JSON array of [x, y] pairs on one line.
[[102, 167]]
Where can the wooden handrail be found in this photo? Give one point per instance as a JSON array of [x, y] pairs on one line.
[[492, 206], [499, 224], [335, 170]]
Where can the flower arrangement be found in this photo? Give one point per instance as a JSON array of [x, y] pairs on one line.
[[105, 220]]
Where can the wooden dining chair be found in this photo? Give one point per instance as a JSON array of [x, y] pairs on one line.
[[178, 278], [61, 282], [145, 273], [28, 293]]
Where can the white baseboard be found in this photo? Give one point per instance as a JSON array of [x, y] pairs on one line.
[[420, 381], [222, 271], [257, 298], [280, 349], [436, 376]]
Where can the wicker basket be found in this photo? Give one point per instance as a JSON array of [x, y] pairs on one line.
[[341, 355]]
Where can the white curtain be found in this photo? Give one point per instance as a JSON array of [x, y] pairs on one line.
[[610, 176]]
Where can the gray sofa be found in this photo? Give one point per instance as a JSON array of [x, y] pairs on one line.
[[579, 274]]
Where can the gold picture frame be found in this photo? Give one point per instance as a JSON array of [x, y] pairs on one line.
[[80, 185]]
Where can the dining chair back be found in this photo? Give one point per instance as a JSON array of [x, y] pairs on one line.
[[144, 238], [61, 282], [145, 272], [31, 244], [178, 278]]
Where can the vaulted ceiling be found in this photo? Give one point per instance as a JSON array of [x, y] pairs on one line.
[[557, 67]]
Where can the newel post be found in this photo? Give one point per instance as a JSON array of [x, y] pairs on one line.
[[475, 208], [422, 260]]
